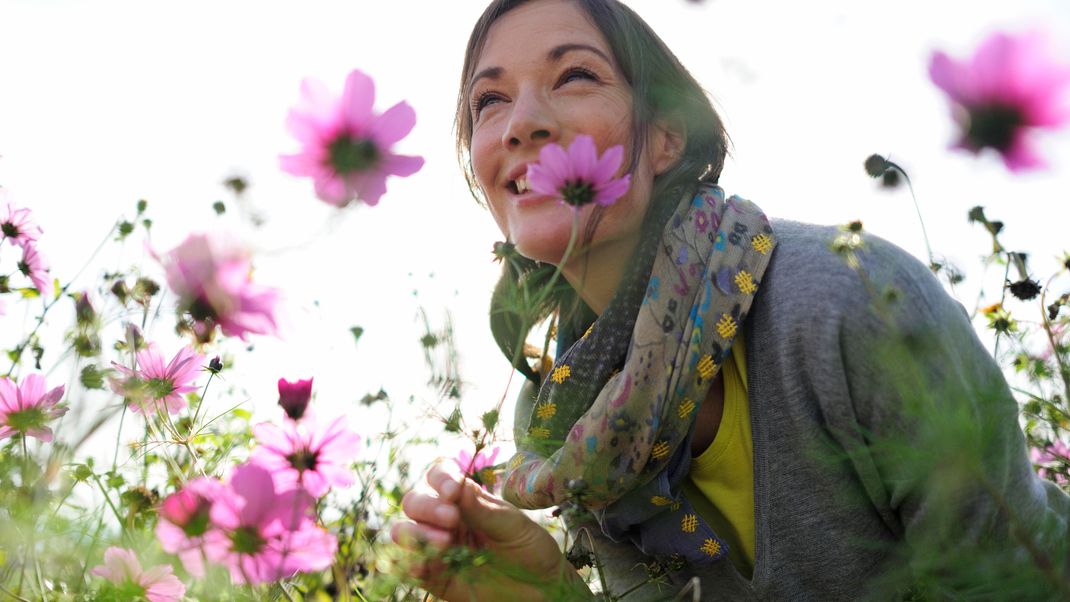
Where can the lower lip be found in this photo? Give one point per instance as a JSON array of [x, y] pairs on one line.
[[531, 199]]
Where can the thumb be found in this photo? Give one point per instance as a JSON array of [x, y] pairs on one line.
[[490, 515]]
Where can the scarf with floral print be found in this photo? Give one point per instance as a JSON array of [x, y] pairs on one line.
[[611, 426]]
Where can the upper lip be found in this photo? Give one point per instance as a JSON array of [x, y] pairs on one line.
[[516, 172]]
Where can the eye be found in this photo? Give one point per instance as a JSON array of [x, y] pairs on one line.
[[577, 73], [481, 101]]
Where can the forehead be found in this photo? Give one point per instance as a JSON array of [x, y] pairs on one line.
[[530, 31]]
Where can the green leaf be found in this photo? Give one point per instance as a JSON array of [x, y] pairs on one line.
[[141, 206], [490, 420], [453, 423], [242, 414], [357, 332]]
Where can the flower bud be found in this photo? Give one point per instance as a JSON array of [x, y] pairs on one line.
[[294, 397]]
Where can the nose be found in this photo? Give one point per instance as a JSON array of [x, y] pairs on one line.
[[532, 122]]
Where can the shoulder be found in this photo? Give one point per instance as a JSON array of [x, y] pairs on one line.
[[809, 281]]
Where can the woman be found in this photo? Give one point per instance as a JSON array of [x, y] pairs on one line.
[[740, 418]]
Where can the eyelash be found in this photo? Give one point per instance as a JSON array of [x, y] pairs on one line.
[[478, 103]]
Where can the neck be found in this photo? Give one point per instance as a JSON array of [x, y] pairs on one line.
[[596, 275]]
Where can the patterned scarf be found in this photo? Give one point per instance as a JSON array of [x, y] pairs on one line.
[[611, 426]]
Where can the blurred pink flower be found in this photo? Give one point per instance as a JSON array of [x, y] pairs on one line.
[[578, 176], [302, 453], [481, 468], [16, 225], [154, 382], [158, 584], [294, 397], [1054, 458], [345, 144], [33, 266], [265, 533], [1009, 87], [212, 280], [27, 408], [185, 519]]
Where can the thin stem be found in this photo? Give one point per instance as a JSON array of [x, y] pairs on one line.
[[1063, 371], [13, 594], [917, 208], [48, 305], [1002, 298]]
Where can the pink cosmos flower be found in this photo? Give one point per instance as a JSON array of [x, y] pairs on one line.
[[33, 266], [481, 468], [16, 224], [1055, 456], [212, 280], [27, 408], [345, 144], [157, 584], [154, 381], [294, 397], [185, 519], [578, 176], [1008, 88], [264, 533], [302, 453]]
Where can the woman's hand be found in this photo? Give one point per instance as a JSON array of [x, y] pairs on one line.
[[526, 563]]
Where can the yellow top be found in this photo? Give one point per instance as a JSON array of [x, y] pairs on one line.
[[721, 484]]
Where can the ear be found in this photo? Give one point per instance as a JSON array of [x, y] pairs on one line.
[[667, 142]]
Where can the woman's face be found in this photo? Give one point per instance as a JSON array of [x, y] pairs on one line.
[[545, 75]]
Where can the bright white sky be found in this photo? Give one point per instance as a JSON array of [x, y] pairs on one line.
[[105, 102]]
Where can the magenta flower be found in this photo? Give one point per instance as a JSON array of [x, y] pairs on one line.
[[15, 223], [1010, 87], [27, 409], [1053, 459], [264, 533], [122, 568], [578, 176], [345, 144], [481, 468], [153, 381], [294, 397], [213, 283], [33, 266], [302, 453], [185, 519]]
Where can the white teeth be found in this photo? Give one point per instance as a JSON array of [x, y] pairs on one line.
[[522, 185]]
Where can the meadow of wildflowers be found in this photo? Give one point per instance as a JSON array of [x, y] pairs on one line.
[[206, 505]]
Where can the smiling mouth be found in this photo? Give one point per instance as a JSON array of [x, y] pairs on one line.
[[519, 185]]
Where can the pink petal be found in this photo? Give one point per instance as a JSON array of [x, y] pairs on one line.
[[274, 438], [369, 186], [543, 182], [393, 125], [608, 165], [402, 165], [613, 191], [555, 162], [332, 189], [358, 100], [304, 164], [583, 157]]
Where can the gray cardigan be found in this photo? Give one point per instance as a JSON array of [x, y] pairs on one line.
[[858, 492]]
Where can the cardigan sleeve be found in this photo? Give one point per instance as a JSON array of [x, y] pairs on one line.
[[936, 436]]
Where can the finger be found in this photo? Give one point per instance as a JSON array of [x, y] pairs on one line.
[[430, 509], [489, 514], [415, 536], [446, 479]]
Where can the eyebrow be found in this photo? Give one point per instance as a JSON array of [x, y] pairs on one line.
[[554, 55]]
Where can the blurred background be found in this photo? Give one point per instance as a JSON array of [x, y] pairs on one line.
[[103, 103]]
